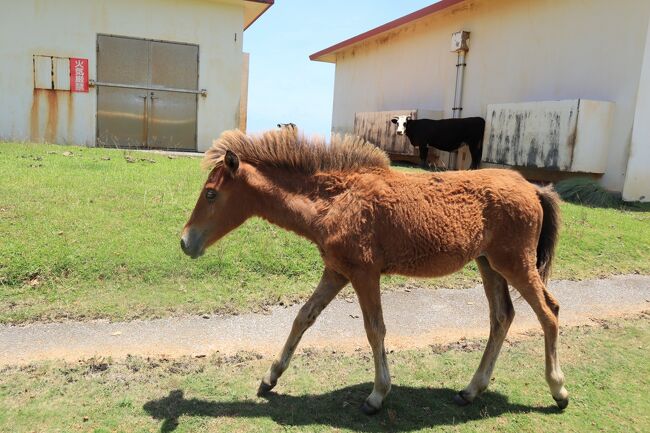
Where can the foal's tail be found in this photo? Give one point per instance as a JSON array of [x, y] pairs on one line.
[[548, 237]]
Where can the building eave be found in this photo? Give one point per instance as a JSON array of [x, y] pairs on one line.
[[253, 9], [329, 54]]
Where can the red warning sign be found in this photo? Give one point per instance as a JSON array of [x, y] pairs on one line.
[[78, 75]]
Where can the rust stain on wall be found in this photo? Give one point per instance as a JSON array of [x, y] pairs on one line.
[[70, 98], [34, 133], [51, 126], [57, 106]]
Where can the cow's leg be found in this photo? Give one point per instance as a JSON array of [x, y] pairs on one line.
[[330, 285], [476, 151], [501, 316], [424, 153], [367, 289]]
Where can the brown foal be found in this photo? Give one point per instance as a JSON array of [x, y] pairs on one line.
[[368, 220]]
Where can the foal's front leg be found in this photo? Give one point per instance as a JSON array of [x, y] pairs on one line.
[[330, 285], [367, 288]]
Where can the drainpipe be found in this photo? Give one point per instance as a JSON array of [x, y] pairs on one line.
[[460, 46], [458, 93]]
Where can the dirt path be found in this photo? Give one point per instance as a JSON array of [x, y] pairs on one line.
[[414, 318]]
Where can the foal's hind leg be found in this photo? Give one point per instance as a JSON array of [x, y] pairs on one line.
[[367, 289], [330, 285], [529, 283], [501, 315]]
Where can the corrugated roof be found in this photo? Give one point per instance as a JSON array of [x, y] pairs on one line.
[[329, 54]]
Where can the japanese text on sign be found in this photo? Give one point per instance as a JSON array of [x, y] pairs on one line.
[[78, 75]]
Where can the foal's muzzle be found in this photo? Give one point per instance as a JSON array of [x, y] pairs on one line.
[[192, 243]]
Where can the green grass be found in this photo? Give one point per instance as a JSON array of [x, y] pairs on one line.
[[91, 235], [607, 370]]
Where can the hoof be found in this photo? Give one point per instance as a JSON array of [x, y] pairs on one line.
[[460, 399], [368, 409], [562, 403], [264, 389]]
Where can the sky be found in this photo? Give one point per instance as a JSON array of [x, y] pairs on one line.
[[284, 85]]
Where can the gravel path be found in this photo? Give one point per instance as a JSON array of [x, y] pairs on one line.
[[414, 318]]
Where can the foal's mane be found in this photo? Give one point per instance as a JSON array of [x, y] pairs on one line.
[[286, 148]]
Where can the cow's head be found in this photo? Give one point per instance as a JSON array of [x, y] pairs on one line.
[[401, 122]]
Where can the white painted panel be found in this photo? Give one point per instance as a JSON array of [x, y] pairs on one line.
[[571, 135], [42, 72], [533, 134], [593, 136], [61, 68]]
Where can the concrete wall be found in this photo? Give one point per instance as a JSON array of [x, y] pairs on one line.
[[520, 51], [69, 28], [637, 180]]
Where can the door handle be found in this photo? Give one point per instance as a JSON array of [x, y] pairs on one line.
[[151, 140], [145, 123]]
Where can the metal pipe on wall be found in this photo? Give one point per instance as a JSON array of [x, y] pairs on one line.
[[459, 45], [458, 92]]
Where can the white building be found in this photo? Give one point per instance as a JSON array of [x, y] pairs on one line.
[[520, 51], [129, 73]]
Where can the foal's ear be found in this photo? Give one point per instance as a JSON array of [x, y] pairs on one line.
[[232, 161], [394, 120]]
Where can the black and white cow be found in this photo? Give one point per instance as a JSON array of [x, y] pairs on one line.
[[444, 134]]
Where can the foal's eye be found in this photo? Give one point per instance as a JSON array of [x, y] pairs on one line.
[[210, 194]]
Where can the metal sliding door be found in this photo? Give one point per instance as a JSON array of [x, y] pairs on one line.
[[146, 93], [121, 111], [172, 121]]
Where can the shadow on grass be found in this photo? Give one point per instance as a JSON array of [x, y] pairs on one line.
[[588, 192], [406, 409]]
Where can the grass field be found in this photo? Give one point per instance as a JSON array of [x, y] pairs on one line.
[[607, 370], [90, 233]]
